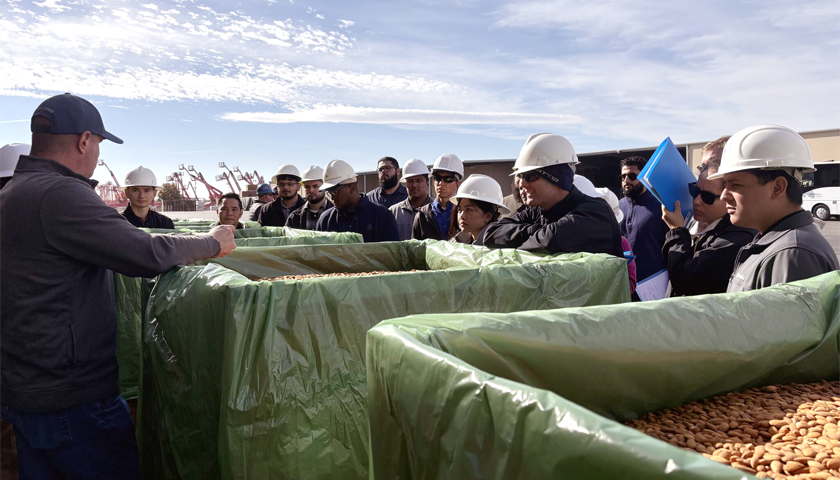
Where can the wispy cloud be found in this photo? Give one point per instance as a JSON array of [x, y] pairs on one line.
[[15, 121]]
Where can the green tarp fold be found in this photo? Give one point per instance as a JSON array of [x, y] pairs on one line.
[[130, 301], [543, 394], [252, 380]]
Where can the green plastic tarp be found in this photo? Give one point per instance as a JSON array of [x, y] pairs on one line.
[[248, 379], [130, 300], [543, 394]]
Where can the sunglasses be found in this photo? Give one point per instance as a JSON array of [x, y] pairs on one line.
[[529, 176], [331, 193], [631, 176], [447, 179], [707, 197]]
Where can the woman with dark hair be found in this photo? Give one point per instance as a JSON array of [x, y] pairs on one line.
[[479, 202]]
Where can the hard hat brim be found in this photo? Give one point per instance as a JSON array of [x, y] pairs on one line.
[[126, 187], [331, 186], [502, 207], [721, 172], [439, 169], [415, 175]]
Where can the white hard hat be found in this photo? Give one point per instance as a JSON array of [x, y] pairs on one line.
[[449, 162], [141, 177], [312, 174], [413, 168], [612, 200], [544, 150], [586, 187], [766, 147], [338, 172], [286, 170], [482, 188], [9, 155]]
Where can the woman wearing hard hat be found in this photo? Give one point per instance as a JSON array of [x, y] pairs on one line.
[[140, 189], [479, 202]]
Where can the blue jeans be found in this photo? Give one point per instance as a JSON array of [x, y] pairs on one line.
[[90, 441]]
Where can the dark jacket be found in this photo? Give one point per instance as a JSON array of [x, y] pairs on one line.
[[404, 214], [644, 227], [465, 237], [153, 219], [426, 227], [374, 222], [792, 249], [305, 219], [274, 214], [705, 263], [255, 210], [378, 196], [578, 223], [58, 245]]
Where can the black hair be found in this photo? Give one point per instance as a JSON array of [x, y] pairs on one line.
[[485, 207], [639, 162], [794, 187], [227, 196], [393, 161]]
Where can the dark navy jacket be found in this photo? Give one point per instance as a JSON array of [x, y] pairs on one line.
[[153, 219], [644, 228], [374, 222], [379, 196]]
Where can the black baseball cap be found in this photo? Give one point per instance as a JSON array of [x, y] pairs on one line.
[[69, 114]]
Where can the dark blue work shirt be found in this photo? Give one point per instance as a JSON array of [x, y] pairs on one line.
[[374, 222], [442, 216], [379, 196], [644, 228]]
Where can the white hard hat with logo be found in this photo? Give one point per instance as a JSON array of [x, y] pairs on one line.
[[612, 200], [338, 172], [413, 168], [286, 171], [141, 177], [449, 162], [766, 147], [9, 156], [544, 150], [312, 174], [482, 188]]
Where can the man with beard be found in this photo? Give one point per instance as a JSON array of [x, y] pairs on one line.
[[274, 214], [416, 179], [642, 224], [306, 217], [389, 192], [353, 212], [557, 217]]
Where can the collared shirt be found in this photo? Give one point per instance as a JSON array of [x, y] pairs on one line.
[[274, 214], [404, 214], [443, 216], [153, 219], [644, 227], [304, 218], [374, 222], [377, 195]]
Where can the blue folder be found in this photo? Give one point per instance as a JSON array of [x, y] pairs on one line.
[[667, 176]]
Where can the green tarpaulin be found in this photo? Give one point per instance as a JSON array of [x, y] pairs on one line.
[[252, 380], [130, 300], [542, 394]]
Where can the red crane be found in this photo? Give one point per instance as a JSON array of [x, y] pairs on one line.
[[225, 176], [112, 193], [238, 189], [182, 189], [214, 192]]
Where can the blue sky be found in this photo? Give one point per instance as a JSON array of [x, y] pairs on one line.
[[265, 82]]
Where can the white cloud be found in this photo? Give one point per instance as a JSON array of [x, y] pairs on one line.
[[346, 23], [52, 5], [319, 16], [322, 113]]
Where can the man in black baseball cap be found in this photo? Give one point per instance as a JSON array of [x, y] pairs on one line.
[[59, 244]]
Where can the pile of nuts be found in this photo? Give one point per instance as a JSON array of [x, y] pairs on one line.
[[326, 275], [779, 432]]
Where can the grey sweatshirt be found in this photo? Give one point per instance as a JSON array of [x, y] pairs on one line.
[[58, 245]]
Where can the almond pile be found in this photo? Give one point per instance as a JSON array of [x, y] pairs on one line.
[[779, 431], [326, 275]]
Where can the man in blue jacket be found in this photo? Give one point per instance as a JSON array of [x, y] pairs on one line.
[[59, 243], [642, 224], [353, 212]]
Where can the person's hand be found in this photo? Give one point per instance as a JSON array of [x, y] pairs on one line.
[[224, 235], [673, 219]]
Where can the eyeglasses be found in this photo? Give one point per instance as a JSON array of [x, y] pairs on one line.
[[631, 176], [447, 179], [385, 168], [707, 197], [331, 193], [529, 176], [287, 184]]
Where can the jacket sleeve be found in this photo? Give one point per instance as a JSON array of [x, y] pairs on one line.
[[790, 265], [575, 232], [168, 223], [389, 227], [255, 215], [706, 271], [416, 230], [90, 231], [511, 232]]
